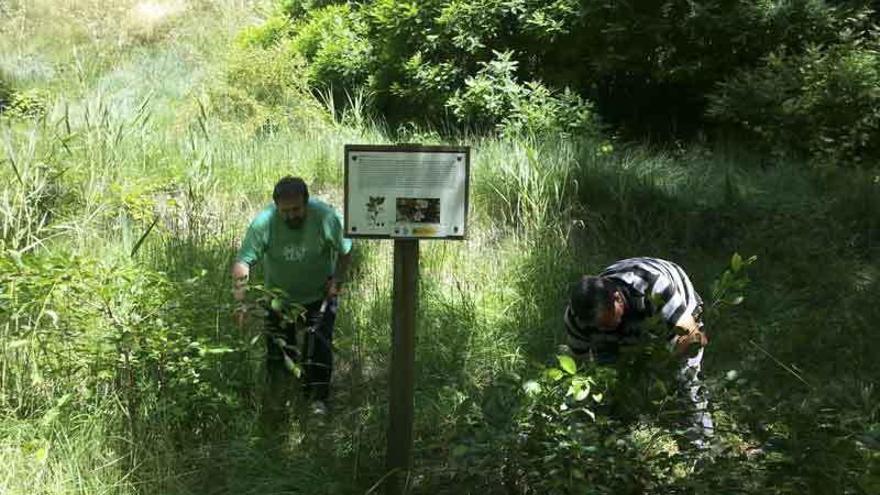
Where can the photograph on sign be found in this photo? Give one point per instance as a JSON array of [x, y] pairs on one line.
[[406, 192]]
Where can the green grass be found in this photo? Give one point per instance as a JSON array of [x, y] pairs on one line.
[[130, 133]]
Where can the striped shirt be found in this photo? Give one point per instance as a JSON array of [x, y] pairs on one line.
[[642, 281]]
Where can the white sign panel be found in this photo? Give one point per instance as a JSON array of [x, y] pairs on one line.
[[406, 191]]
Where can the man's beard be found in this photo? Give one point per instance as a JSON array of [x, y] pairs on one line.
[[294, 223]]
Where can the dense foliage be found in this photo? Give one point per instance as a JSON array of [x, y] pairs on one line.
[[823, 103], [5, 91], [666, 68]]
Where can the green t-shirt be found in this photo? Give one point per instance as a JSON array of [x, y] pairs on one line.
[[296, 260]]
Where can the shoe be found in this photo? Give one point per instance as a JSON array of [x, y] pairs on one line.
[[319, 408]]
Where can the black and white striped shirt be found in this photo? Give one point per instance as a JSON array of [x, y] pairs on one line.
[[641, 281]]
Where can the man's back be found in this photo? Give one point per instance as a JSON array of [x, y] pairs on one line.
[[650, 278], [647, 286]]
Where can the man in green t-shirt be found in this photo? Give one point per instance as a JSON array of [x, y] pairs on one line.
[[300, 242]]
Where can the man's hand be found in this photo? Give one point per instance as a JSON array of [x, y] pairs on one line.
[[689, 335], [334, 282], [684, 343], [332, 288], [240, 272]]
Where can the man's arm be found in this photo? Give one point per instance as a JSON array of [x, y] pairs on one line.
[[342, 265], [677, 306], [334, 284], [343, 247], [252, 248]]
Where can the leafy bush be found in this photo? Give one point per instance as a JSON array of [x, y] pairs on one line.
[[332, 43], [28, 103], [568, 429], [591, 429], [652, 63], [5, 90], [262, 88], [118, 331], [295, 9], [530, 67], [424, 58], [31, 102], [494, 97], [266, 34], [824, 103], [430, 61]]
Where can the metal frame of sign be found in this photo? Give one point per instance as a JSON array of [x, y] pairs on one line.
[[406, 148]]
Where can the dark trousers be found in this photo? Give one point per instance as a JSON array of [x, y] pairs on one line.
[[309, 344]]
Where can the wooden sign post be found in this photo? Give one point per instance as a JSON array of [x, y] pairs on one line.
[[403, 328], [405, 193]]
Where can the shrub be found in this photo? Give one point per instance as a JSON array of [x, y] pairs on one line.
[[262, 87], [648, 66], [28, 103], [131, 339], [495, 98], [5, 90], [824, 103], [337, 53], [265, 35], [295, 9]]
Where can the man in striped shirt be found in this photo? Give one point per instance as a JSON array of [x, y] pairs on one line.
[[605, 312]]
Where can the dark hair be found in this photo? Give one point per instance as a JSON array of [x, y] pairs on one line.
[[592, 296], [291, 187]]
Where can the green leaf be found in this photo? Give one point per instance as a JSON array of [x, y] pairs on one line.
[[15, 344], [736, 262], [292, 366], [52, 316], [277, 304], [217, 350], [580, 389], [64, 400], [597, 397], [737, 300], [567, 364], [41, 454], [36, 377], [555, 374], [50, 416], [532, 387]]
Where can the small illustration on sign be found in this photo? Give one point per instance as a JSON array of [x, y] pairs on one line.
[[375, 207]]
